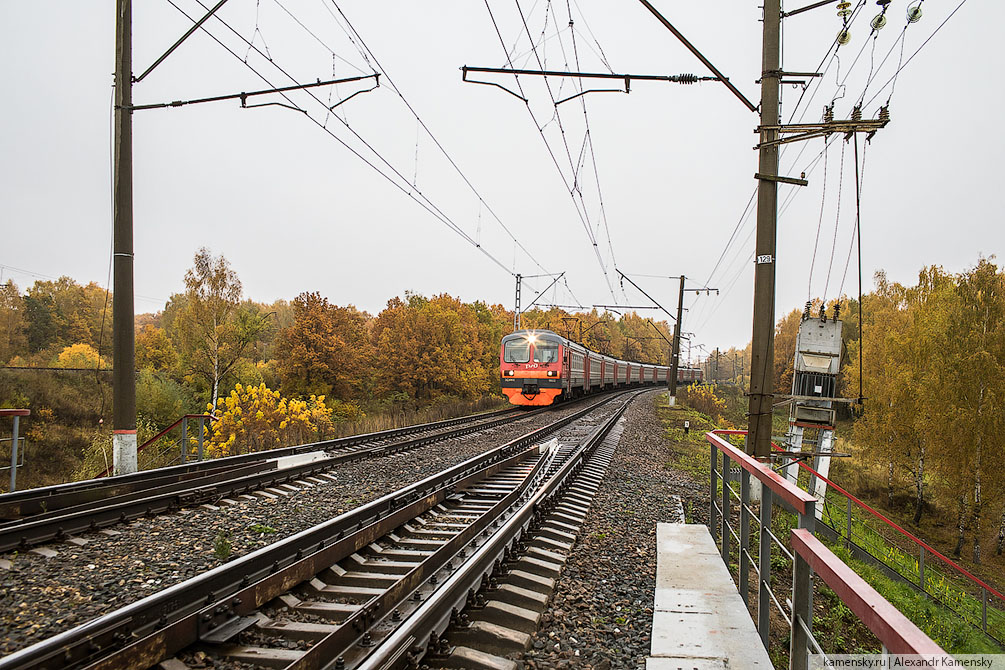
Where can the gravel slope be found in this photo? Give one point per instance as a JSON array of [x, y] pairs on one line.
[[601, 613]]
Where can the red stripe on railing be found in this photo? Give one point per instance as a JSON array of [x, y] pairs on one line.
[[897, 633], [15, 412], [959, 568], [792, 494]]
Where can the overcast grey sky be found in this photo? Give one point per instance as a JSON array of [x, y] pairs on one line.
[[295, 210]]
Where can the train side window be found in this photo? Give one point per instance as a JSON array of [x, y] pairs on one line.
[[517, 351]]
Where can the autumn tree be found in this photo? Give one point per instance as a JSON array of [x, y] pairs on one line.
[[429, 348], [785, 350], [494, 321], [735, 364], [973, 382], [325, 351], [934, 364], [892, 425], [640, 340], [211, 330], [60, 313], [154, 350], [80, 356], [13, 339]]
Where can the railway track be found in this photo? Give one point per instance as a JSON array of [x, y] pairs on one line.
[[370, 588], [48, 499], [57, 513]]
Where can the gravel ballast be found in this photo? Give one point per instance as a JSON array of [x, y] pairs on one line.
[[40, 597], [600, 615]]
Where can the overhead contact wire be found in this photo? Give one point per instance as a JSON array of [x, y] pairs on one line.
[[428, 207], [437, 142]]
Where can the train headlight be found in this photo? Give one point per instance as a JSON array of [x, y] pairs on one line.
[[552, 373], [508, 373]]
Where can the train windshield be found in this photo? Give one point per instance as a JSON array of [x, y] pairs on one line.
[[546, 352], [517, 351]]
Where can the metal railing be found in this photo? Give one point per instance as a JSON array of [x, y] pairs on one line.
[[894, 630], [16, 415], [991, 599], [183, 442], [770, 488]]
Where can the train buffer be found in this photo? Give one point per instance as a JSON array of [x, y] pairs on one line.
[[699, 618]]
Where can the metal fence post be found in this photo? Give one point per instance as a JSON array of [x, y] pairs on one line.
[[202, 426], [984, 609], [184, 438], [802, 610], [764, 565], [744, 536], [848, 537], [802, 598], [713, 524], [921, 568], [808, 520], [13, 456], [726, 509]]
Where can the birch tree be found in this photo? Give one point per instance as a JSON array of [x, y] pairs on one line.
[[975, 388], [211, 330], [889, 426]]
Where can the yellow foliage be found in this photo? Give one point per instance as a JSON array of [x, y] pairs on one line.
[[702, 397], [80, 355], [255, 418]]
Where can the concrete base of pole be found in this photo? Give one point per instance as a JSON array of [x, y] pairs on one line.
[[671, 400], [755, 490], [124, 459]]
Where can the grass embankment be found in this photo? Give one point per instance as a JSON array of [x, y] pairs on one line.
[[838, 630], [870, 481], [953, 591]]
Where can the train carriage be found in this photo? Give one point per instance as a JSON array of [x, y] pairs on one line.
[[540, 367], [608, 376]]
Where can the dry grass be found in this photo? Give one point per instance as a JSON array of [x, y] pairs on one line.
[[401, 417]]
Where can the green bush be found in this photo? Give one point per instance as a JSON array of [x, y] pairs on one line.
[[161, 400]]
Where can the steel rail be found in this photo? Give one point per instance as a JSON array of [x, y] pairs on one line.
[[165, 622], [434, 616], [57, 526], [343, 642], [156, 486], [61, 496]]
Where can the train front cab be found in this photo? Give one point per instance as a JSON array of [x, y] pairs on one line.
[[532, 367]]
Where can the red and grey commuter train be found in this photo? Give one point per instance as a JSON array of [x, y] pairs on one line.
[[540, 367]]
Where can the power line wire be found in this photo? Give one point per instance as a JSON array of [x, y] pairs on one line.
[[425, 203], [588, 139], [576, 187], [435, 140], [579, 206]]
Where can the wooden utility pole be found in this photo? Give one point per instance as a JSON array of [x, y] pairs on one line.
[[675, 356], [123, 336], [763, 337]]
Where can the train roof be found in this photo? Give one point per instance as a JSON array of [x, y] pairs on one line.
[[538, 335]]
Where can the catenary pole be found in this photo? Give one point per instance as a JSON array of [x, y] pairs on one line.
[[675, 358], [763, 336], [123, 342]]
